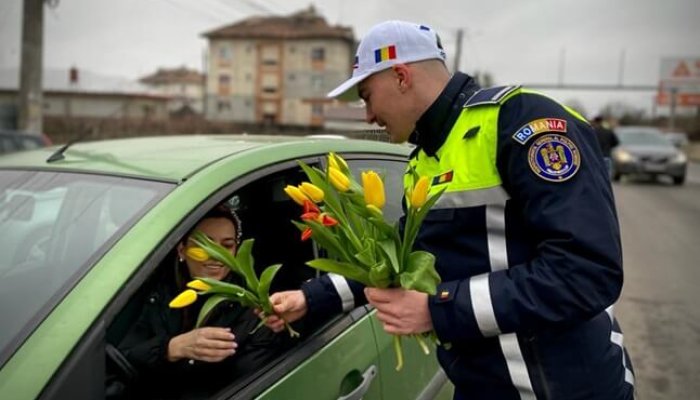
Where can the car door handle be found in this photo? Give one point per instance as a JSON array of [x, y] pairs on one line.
[[367, 378]]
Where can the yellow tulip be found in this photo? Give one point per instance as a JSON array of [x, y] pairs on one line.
[[420, 192], [296, 194], [338, 179], [197, 253], [312, 191], [374, 210], [337, 162], [184, 299], [198, 285], [374, 189]]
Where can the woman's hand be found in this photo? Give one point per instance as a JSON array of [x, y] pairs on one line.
[[208, 344]]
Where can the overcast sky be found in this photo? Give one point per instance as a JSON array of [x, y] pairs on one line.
[[517, 41]]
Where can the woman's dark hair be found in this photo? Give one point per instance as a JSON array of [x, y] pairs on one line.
[[222, 210]]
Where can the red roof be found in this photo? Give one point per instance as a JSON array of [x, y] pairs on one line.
[[305, 24]]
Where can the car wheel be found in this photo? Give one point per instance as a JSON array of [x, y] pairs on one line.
[[678, 180]]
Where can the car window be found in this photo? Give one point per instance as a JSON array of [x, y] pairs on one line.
[[266, 213], [643, 138], [53, 228]]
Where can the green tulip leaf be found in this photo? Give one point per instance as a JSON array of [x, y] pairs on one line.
[[208, 306], [264, 289], [380, 275], [347, 270], [420, 273]]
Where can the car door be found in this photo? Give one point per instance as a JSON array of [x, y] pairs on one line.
[[338, 362]]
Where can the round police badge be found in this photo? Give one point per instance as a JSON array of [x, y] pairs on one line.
[[554, 158]]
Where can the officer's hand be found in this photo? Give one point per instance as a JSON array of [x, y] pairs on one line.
[[402, 312], [289, 306], [208, 344]]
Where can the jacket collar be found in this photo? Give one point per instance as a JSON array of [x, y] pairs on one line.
[[436, 123]]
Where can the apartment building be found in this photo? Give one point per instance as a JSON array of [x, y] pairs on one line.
[[276, 70]]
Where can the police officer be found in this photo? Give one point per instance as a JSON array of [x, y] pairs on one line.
[[525, 235]]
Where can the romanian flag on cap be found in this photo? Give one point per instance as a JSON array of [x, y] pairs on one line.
[[385, 53]]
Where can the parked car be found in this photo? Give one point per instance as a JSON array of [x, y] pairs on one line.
[[11, 141], [679, 139], [645, 150], [83, 235]]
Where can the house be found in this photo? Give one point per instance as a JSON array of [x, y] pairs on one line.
[[276, 70], [69, 93], [184, 87]]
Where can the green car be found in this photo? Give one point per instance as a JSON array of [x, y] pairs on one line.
[[84, 230]]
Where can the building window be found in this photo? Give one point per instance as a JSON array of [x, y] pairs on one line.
[[225, 53], [317, 110], [317, 82], [269, 89], [224, 88], [318, 54], [223, 106], [270, 54]]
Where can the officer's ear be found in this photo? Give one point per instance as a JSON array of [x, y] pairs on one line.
[[402, 74]]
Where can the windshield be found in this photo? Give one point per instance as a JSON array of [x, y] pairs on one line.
[[643, 138], [54, 227]]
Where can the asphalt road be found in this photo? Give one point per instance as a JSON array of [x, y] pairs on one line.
[[660, 305]]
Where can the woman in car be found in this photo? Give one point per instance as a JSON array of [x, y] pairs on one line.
[[175, 359]]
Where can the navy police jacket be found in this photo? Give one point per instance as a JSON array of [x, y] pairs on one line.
[[527, 245]]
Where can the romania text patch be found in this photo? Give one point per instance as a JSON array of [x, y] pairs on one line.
[[443, 178], [532, 128], [554, 158]]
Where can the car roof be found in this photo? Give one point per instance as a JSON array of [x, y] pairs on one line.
[[175, 158]]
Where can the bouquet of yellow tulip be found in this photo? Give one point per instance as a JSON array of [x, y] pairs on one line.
[[345, 218], [255, 294]]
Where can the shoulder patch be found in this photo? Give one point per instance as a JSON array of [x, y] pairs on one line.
[[532, 128], [491, 95], [554, 158]]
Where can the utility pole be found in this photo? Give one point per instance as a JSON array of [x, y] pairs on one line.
[[458, 50], [30, 90], [672, 119]]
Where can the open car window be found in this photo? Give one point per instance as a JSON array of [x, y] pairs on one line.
[[266, 212]]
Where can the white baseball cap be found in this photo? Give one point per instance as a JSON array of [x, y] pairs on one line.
[[387, 44]]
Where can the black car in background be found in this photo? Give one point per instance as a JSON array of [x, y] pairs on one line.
[[645, 150], [11, 141]]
